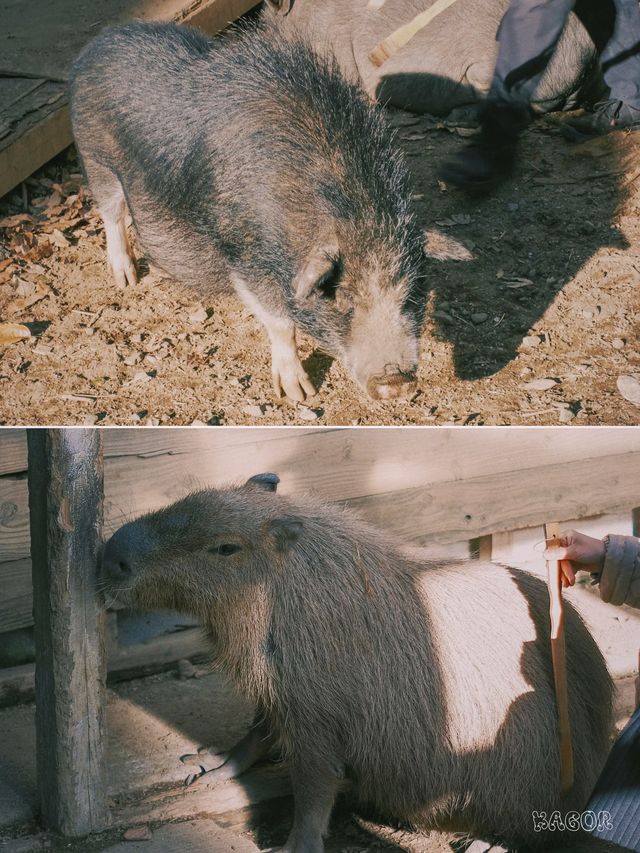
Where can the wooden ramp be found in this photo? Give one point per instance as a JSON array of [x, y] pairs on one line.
[[38, 43]]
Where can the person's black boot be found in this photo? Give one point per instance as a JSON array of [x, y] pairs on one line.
[[606, 116], [490, 158]]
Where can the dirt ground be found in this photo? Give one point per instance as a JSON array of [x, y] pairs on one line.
[[152, 720], [536, 284]]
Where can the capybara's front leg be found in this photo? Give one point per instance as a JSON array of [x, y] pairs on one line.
[[315, 785], [243, 755]]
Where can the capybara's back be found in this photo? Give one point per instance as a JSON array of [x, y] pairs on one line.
[[426, 683]]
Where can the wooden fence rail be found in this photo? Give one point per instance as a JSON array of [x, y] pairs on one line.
[[435, 486]]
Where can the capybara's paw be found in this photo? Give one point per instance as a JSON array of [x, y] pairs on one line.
[[205, 758], [290, 378]]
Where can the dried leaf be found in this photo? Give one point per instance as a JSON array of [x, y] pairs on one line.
[[18, 305], [12, 332], [12, 221], [540, 384], [629, 387], [59, 239]]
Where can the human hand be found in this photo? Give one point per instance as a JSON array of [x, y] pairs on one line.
[[577, 552]]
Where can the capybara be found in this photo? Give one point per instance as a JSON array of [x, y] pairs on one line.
[[426, 685], [250, 163]]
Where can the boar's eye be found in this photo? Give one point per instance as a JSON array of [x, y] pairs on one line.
[[225, 550], [330, 281]]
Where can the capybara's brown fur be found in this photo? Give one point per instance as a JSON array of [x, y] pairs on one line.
[[427, 684]]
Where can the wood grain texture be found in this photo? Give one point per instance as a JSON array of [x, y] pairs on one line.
[[16, 596], [465, 509], [65, 488]]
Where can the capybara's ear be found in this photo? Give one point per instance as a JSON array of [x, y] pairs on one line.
[[266, 482], [285, 532], [283, 7]]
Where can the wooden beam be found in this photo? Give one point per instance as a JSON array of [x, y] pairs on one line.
[[65, 498], [17, 683], [37, 143], [214, 15], [34, 145]]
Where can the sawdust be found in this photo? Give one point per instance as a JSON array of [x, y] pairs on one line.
[[532, 314]]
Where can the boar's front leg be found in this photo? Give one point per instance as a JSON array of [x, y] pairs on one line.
[[109, 196], [289, 376], [315, 785]]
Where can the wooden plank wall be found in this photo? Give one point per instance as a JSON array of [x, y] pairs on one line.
[[429, 486]]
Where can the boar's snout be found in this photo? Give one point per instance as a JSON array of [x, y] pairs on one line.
[[391, 385]]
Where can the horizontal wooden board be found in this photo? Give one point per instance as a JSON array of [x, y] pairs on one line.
[[16, 600], [390, 454], [427, 486], [17, 682], [146, 469], [13, 450], [465, 509]]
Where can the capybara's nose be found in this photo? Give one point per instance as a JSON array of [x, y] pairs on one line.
[[393, 385], [116, 565]]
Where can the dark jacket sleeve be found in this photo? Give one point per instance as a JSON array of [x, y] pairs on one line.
[[620, 578]]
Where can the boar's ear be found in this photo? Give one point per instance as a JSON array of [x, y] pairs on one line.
[[265, 482], [282, 7], [318, 268], [285, 532]]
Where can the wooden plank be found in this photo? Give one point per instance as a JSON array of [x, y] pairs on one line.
[[14, 520], [65, 488], [393, 458], [17, 683], [466, 509], [32, 148], [16, 596], [33, 144], [215, 15], [13, 450]]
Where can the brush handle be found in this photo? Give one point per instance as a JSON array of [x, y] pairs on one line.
[[559, 660], [405, 33]]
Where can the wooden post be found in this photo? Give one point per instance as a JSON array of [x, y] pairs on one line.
[[65, 504]]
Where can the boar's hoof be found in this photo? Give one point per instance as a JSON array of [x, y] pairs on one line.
[[291, 378], [391, 386], [123, 270]]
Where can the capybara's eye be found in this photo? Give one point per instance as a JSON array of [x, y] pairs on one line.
[[225, 550]]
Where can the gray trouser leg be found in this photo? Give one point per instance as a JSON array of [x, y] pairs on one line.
[[527, 37], [621, 57]]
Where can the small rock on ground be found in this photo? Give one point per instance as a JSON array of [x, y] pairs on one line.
[[138, 833]]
